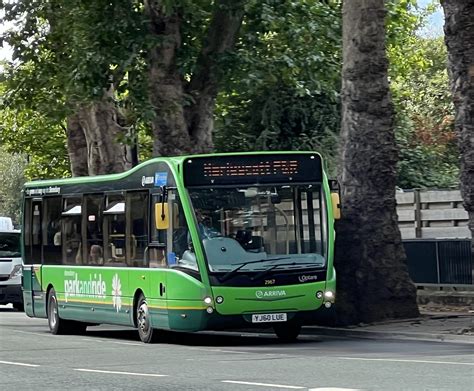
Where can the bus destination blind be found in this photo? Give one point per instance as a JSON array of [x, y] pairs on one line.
[[252, 169]]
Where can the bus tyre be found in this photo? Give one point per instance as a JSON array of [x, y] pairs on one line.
[[56, 324], [19, 306], [288, 332], [145, 331]]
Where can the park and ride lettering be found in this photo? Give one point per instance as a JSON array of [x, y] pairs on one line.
[[94, 287]]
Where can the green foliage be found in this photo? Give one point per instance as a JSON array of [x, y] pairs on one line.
[[279, 87], [36, 136], [420, 88], [12, 179], [425, 121], [282, 91]]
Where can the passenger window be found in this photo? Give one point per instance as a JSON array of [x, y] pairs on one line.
[[115, 231], [137, 215], [93, 227], [52, 232], [27, 229], [70, 238]]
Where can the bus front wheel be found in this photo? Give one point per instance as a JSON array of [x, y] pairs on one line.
[[145, 329], [287, 332]]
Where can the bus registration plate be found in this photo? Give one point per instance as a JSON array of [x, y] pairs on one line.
[[262, 318]]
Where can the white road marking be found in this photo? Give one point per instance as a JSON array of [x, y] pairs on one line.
[[333, 389], [222, 351], [115, 342], [22, 364], [119, 372], [263, 384], [127, 343], [45, 334], [408, 361]]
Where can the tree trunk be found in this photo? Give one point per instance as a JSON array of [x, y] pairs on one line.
[[95, 140], [76, 146], [459, 38], [373, 281], [184, 110]]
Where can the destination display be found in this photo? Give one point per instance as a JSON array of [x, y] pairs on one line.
[[252, 169]]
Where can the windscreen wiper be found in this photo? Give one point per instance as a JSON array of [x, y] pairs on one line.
[[233, 272], [266, 271]]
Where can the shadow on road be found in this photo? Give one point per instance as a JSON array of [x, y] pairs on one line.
[[214, 339]]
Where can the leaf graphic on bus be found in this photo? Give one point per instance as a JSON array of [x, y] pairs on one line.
[[117, 292]]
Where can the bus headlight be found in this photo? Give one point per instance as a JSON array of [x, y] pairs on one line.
[[208, 300], [329, 295], [219, 299], [210, 310], [328, 304], [319, 295]]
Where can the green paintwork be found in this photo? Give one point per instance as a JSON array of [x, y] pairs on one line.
[[180, 305]]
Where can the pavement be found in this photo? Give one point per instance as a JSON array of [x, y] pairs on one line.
[[437, 322]]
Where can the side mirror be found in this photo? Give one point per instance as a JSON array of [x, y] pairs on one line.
[[336, 206], [162, 220], [335, 198]]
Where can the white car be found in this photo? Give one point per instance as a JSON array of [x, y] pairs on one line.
[[10, 265]]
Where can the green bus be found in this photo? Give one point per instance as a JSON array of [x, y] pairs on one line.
[[189, 243]]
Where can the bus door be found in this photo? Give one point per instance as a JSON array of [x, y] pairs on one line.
[[158, 258], [33, 293]]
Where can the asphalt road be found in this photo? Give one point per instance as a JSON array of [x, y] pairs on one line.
[[112, 358]]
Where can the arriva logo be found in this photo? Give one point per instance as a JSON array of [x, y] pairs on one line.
[[265, 294]]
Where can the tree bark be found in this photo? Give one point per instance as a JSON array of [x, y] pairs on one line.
[[184, 110], [95, 139], [459, 38], [373, 281], [76, 146]]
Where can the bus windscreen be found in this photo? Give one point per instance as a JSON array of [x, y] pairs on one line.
[[252, 169]]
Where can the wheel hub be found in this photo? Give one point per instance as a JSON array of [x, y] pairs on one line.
[[143, 318]]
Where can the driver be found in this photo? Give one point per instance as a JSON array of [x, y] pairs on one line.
[[206, 229]]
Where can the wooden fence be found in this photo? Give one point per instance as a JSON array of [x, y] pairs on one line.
[[432, 214]]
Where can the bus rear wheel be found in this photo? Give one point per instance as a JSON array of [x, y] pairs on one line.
[[55, 323], [58, 325], [145, 329], [287, 332]]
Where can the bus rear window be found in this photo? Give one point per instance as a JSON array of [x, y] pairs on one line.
[[10, 244]]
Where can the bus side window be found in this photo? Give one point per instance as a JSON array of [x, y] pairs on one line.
[[92, 219], [51, 230], [27, 228], [137, 224], [70, 237], [115, 231], [36, 226]]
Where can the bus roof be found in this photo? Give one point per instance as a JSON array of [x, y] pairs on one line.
[[175, 161]]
